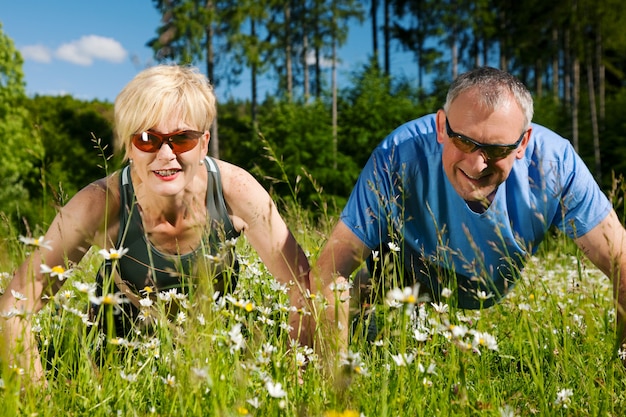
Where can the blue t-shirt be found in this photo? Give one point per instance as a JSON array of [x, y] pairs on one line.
[[403, 196]]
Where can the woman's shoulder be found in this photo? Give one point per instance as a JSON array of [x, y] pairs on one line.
[[108, 186], [234, 176], [242, 192], [92, 213], [102, 193]]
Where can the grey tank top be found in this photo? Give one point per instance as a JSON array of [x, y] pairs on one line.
[[144, 265]]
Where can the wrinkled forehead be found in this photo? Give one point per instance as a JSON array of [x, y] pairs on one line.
[[476, 104], [486, 99]]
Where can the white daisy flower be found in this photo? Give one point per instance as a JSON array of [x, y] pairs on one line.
[[113, 253], [39, 242], [56, 271], [275, 390]]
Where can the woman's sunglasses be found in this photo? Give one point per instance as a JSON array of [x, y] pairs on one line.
[[180, 141], [469, 145]]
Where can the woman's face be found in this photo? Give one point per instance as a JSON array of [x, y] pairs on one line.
[[167, 172]]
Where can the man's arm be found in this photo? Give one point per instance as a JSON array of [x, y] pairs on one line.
[[605, 246], [341, 255]]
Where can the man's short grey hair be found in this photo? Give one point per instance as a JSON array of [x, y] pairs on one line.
[[495, 86]]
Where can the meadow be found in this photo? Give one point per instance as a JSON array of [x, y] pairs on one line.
[[547, 349]]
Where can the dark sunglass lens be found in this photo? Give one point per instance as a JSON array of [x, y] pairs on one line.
[[146, 142], [152, 141], [462, 144], [182, 137], [498, 152], [183, 141]]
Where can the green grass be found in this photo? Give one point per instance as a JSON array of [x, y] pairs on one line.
[[547, 349], [554, 332]]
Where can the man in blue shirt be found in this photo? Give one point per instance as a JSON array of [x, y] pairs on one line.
[[461, 198]]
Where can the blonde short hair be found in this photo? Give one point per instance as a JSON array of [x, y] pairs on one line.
[[157, 93]]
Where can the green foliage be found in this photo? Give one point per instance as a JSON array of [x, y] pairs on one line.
[[613, 139], [68, 130], [297, 144], [23, 147], [372, 107], [11, 74], [296, 138]]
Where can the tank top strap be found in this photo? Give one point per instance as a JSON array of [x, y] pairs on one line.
[[127, 201], [215, 203]]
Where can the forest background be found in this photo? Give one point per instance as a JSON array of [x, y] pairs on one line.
[[308, 140]]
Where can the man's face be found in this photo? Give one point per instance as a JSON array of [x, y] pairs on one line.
[[475, 172]]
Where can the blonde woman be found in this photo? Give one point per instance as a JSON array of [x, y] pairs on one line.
[[169, 207]]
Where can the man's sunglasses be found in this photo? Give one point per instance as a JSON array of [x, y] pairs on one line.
[[180, 141], [491, 151]]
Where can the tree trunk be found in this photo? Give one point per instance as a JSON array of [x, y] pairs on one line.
[[387, 37], [476, 51], [538, 78], [485, 50], [305, 67], [555, 64], [567, 75], [575, 101], [316, 37], [374, 15], [318, 73], [594, 117], [214, 143], [334, 92], [253, 76], [601, 81], [288, 62], [454, 54], [503, 42]]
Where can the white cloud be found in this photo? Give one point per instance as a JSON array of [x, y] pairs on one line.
[[324, 61], [37, 53], [88, 48]]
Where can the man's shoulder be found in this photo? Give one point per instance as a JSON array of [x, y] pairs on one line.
[[547, 146], [418, 132], [422, 126], [547, 137]]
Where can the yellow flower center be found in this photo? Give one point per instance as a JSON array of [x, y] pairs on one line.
[[58, 269]]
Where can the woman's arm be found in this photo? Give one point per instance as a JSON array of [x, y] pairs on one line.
[[256, 215], [70, 235]]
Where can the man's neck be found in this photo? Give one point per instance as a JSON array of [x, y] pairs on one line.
[[481, 206]]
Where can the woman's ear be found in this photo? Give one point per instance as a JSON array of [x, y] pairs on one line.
[[206, 138]]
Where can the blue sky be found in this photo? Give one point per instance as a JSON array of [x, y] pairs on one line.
[[91, 48]]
